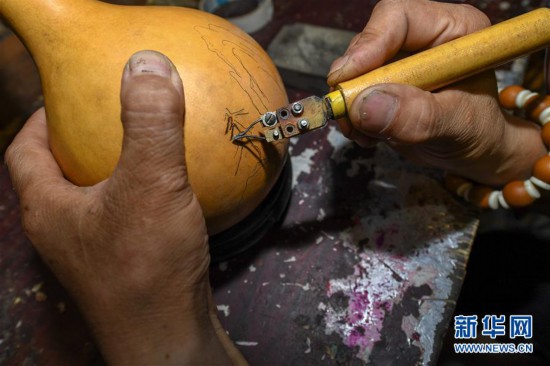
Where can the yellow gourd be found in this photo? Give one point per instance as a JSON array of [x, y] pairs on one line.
[[81, 47]]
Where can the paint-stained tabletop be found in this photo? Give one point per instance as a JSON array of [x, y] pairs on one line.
[[365, 268]]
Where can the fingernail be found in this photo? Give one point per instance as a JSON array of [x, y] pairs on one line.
[[338, 64], [149, 62], [376, 111]]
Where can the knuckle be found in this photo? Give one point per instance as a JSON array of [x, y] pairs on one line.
[[475, 18], [395, 7], [31, 220], [13, 155], [468, 20], [10, 155], [367, 36], [418, 122], [398, 4]]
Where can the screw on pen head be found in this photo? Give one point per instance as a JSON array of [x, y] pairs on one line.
[[269, 119], [303, 124], [276, 134], [297, 108]]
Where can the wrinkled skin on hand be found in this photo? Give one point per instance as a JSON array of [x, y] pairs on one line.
[[460, 128], [133, 249]]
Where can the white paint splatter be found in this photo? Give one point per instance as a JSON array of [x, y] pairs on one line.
[[291, 259], [224, 309], [321, 215], [404, 245], [330, 237], [408, 325], [252, 268], [339, 143], [246, 343], [37, 287], [308, 344], [302, 164]]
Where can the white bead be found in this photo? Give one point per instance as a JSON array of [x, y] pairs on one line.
[[540, 184], [464, 189], [531, 189], [523, 96], [493, 200], [502, 201], [544, 116]]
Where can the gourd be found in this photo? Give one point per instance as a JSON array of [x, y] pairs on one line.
[[80, 48]]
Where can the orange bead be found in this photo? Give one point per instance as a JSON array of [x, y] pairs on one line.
[[479, 196], [541, 169], [545, 134], [507, 96], [536, 109], [454, 182], [516, 195]]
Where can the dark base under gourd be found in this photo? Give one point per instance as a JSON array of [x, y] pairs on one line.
[[253, 228]]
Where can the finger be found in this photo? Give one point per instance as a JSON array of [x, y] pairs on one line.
[[43, 191], [408, 115], [29, 159], [407, 25], [152, 117]]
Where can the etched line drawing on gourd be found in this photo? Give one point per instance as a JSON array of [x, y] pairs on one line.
[[232, 50], [232, 127], [232, 122], [241, 56]]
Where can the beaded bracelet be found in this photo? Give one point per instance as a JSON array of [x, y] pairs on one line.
[[516, 193]]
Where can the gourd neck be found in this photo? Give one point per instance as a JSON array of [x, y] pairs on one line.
[[36, 20]]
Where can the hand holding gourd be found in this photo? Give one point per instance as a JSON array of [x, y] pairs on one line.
[[132, 250]]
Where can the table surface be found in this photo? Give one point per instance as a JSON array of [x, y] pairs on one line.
[[365, 268]]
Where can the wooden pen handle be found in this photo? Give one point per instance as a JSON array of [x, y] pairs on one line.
[[455, 60]]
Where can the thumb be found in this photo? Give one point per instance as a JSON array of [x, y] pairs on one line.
[[152, 111], [401, 113]]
